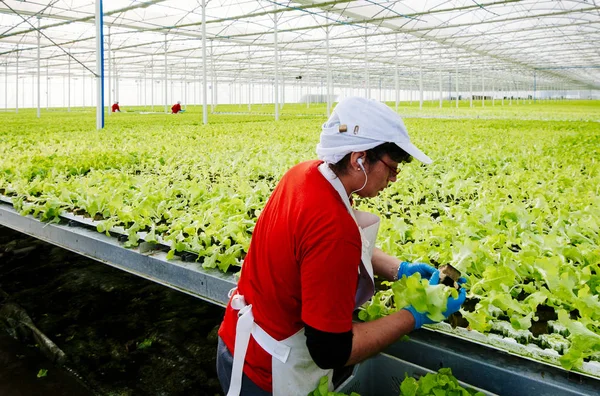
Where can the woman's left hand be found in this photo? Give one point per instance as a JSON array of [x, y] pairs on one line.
[[407, 269]]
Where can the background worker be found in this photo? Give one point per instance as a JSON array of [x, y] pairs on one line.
[[311, 263], [115, 108], [176, 108]]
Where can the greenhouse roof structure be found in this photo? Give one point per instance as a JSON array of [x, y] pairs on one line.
[[504, 43]]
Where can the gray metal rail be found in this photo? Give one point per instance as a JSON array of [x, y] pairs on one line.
[[489, 369]]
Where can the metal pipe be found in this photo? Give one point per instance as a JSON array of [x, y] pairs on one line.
[[471, 84], [17, 84], [396, 82], [420, 75], [69, 83], [482, 88], [366, 66], [99, 65], [166, 76], [145, 91], [6, 86], [276, 66], [109, 74], [249, 81], [39, 98], [213, 98], [456, 82], [534, 86], [204, 80], [328, 67], [493, 92], [152, 82], [440, 71], [83, 87]]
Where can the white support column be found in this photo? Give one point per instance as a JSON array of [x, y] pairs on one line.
[[213, 99], [482, 87], [69, 83], [39, 97], [282, 101], [152, 83], [471, 84], [249, 80], [204, 80], [493, 92], [17, 84], [6, 85], [108, 80], [440, 71], [420, 74], [115, 78], [47, 85], [276, 88], [185, 84], [328, 67], [456, 82], [307, 88], [83, 87], [396, 82], [167, 77], [99, 65], [145, 79], [367, 92]]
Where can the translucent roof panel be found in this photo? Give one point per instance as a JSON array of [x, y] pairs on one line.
[[555, 41]]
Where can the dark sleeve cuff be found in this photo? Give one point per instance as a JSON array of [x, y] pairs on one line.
[[328, 350]]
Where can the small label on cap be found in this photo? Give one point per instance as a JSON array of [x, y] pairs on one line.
[[356, 130], [343, 128]]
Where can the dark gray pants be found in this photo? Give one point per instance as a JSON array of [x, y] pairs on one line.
[[224, 365]]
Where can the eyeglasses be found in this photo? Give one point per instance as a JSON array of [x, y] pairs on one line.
[[394, 171]]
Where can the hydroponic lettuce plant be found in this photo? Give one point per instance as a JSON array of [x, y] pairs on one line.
[[323, 389], [409, 291], [442, 383], [511, 203]]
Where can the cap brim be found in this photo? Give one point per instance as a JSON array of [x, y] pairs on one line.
[[414, 152]]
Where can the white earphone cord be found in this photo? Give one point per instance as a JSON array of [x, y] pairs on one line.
[[363, 186]]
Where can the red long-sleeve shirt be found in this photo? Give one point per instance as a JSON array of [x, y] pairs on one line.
[[115, 107], [176, 108]]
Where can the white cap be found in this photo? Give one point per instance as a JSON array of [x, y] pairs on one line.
[[359, 124], [178, 102]]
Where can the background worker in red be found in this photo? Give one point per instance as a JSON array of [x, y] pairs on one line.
[[116, 108], [311, 263], [176, 108]]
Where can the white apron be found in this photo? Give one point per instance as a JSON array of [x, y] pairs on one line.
[[294, 372]]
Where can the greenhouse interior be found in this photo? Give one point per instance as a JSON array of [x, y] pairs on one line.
[[142, 141]]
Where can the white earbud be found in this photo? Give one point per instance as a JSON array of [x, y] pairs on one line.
[[360, 163]]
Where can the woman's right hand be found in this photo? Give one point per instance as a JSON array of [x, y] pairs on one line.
[[452, 306]]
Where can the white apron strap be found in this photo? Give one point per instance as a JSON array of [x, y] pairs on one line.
[[242, 337], [246, 327]]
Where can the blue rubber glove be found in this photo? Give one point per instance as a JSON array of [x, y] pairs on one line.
[[452, 306], [408, 269]]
